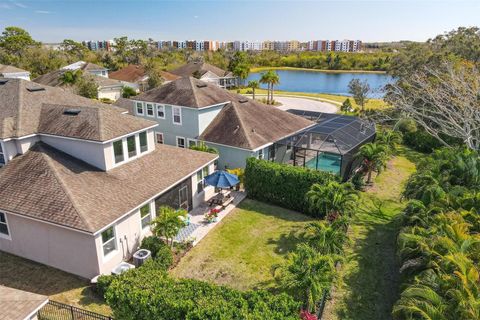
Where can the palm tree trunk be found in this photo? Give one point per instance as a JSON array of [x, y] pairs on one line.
[[369, 177], [253, 93], [272, 95]]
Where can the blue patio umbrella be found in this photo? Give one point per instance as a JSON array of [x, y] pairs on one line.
[[221, 179]]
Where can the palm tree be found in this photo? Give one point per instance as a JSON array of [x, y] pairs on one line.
[[253, 84], [390, 139], [374, 158], [332, 199], [270, 78], [265, 79], [168, 222], [274, 80], [421, 302], [307, 274], [325, 238]]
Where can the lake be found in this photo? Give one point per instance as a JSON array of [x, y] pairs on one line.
[[325, 82]]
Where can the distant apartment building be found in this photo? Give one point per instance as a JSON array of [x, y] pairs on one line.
[[102, 45], [335, 45]]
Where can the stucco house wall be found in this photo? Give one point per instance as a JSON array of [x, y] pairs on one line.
[[113, 93], [230, 157]]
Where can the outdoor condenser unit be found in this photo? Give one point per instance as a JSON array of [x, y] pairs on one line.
[[141, 256]]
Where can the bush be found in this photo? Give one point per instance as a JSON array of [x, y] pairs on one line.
[[151, 294], [161, 253], [103, 283], [281, 184]]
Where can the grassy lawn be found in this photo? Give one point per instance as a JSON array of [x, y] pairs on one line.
[[60, 286], [372, 104], [242, 249], [261, 69], [369, 281]]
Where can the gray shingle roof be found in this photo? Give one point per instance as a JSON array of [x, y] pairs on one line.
[[54, 79], [28, 108], [192, 67], [10, 69], [49, 185], [17, 304]]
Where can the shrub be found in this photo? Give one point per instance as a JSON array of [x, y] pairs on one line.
[[146, 293], [128, 92], [103, 283], [281, 184], [161, 253]]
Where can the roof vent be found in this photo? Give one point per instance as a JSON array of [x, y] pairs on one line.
[[243, 100], [253, 130], [3, 81], [71, 112], [201, 85], [35, 89]]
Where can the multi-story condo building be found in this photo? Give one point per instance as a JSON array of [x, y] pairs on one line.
[[82, 180]]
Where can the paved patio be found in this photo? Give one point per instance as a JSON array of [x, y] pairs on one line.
[[198, 227]]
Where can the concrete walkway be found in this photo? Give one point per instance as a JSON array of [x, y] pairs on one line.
[[304, 103]]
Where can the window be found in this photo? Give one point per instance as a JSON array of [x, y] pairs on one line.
[[143, 141], [2, 155], [199, 181], [177, 115], [191, 143], [159, 137], [260, 154], [140, 108], [160, 111], [181, 142], [131, 146], [205, 171], [149, 109], [118, 151], [108, 241], [145, 215], [3, 225]]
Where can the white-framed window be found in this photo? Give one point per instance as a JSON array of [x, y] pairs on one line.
[[192, 142], [160, 111], [4, 231], [201, 174], [260, 154], [131, 146], [146, 215], [181, 142], [159, 136], [149, 108], [139, 108], [142, 137], [177, 115], [2, 155], [118, 151], [109, 243]]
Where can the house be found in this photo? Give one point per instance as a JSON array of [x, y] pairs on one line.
[[20, 305], [188, 110], [208, 73], [87, 67], [12, 72], [82, 180], [107, 88], [135, 77]]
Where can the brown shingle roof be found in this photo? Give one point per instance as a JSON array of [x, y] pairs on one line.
[[17, 304], [50, 185], [10, 69], [28, 108], [135, 73], [187, 92], [248, 124], [54, 79], [190, 68]]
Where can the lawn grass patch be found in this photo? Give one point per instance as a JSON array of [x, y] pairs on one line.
[[23, 274], [241, 251]]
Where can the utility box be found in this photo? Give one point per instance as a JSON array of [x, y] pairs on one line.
[[141, 256]]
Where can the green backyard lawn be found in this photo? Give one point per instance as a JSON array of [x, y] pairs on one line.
[[241, 251]]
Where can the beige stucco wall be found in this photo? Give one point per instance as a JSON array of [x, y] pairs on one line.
[[64, 249], [110, 93]]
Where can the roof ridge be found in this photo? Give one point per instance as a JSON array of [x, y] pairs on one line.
[[49, 161], [194, 90], [242, 123]]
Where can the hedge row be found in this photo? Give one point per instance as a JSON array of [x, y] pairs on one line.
[[281, 184], [146, 293]]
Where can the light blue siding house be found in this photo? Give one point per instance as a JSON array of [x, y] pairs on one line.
[[189, 110]]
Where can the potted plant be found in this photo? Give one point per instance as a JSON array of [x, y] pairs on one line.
[[212, 215]]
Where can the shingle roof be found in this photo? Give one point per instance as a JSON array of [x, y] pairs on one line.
[[249, 124], [10, 69], [187, 92], [28, 108], [134, 73], [190, 68], [52, 186], [54, 79], [17, 304]]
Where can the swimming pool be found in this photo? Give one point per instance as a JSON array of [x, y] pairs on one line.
[[325, 162]]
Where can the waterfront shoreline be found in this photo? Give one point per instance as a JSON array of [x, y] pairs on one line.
[[260, 69]]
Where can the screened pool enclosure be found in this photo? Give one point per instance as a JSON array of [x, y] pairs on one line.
[[330, 145]]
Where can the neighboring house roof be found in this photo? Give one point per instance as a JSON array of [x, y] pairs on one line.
[[125, 103], [248, 124], [54, 79], [49, 185], [10, 69], [29, 108], [135, 73], [187, 92], [19, 305], [189, 69], [85, 66]]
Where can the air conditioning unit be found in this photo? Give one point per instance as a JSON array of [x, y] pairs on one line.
[[122, 267], [141, 256]]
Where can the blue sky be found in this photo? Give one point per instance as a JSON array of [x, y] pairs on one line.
[[53, 21]]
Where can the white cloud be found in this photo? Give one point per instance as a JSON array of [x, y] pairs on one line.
[[42, 12], [20, 5]]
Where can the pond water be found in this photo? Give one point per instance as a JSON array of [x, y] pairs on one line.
[[325, 82]]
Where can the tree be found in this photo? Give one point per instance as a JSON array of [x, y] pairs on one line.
[[74, 48], [359, 90], [15, 40], [307, 274], [374, 159], [421, 302], [390, 139], [443, 100], [270, 78], [325, 238], [201, 146], [333, 199], [168, 223], [87, 87], [346, 106], [71, 77], [128, 92], [241, 71], [254, 85]]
